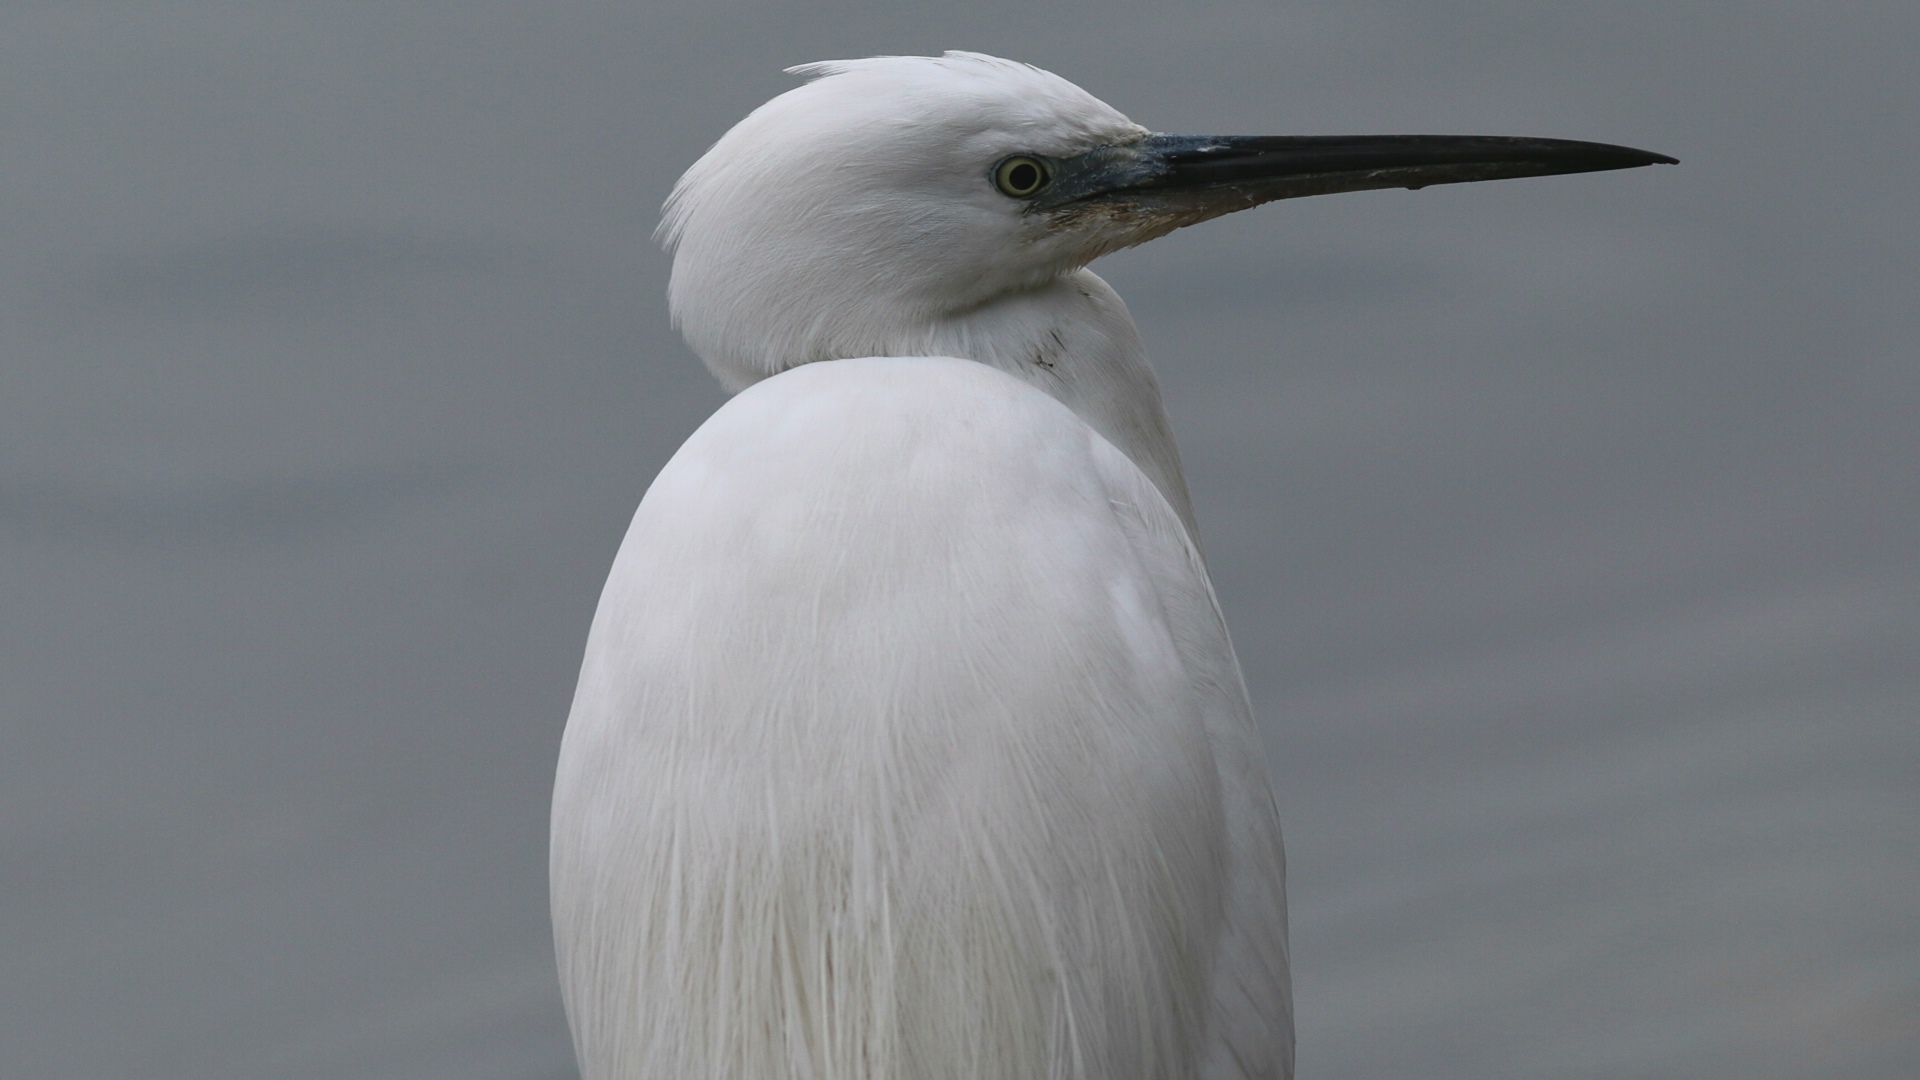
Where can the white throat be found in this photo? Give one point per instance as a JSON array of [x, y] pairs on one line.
[[1071, 338], [1074, 339]]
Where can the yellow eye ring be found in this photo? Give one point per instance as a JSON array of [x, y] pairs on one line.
[[1021, 177]]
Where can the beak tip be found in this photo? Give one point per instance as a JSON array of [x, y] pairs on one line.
[[1650, 157], [1605, 156]]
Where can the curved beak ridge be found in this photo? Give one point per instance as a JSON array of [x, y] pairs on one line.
[[1209, 175]]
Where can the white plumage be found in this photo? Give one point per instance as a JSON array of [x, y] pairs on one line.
[[911, 771], [909, 741]]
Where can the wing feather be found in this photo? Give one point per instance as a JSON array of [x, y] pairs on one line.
[[909, 743]]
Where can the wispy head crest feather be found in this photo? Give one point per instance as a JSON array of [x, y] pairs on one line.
[[820, 69]]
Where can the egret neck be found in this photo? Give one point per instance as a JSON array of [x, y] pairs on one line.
[[1073, 339]]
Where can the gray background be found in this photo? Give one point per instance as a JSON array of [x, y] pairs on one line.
[[1567, 527]]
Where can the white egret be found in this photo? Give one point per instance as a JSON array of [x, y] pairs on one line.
[[909, 742]]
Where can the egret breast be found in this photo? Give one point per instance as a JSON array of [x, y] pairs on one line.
[[885, 759]]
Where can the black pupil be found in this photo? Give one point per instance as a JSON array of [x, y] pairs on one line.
[[1023, 177]]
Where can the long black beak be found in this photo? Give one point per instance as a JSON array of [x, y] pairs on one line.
[[1285, 167], [1203, 176]]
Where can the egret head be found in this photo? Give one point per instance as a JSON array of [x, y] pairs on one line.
[[884, 194]]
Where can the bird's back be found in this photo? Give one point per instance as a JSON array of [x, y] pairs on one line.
[[909, 744]]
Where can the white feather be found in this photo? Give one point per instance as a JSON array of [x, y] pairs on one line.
[[909, 742]]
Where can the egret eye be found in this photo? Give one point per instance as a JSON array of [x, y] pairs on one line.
[[1021, 176]]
